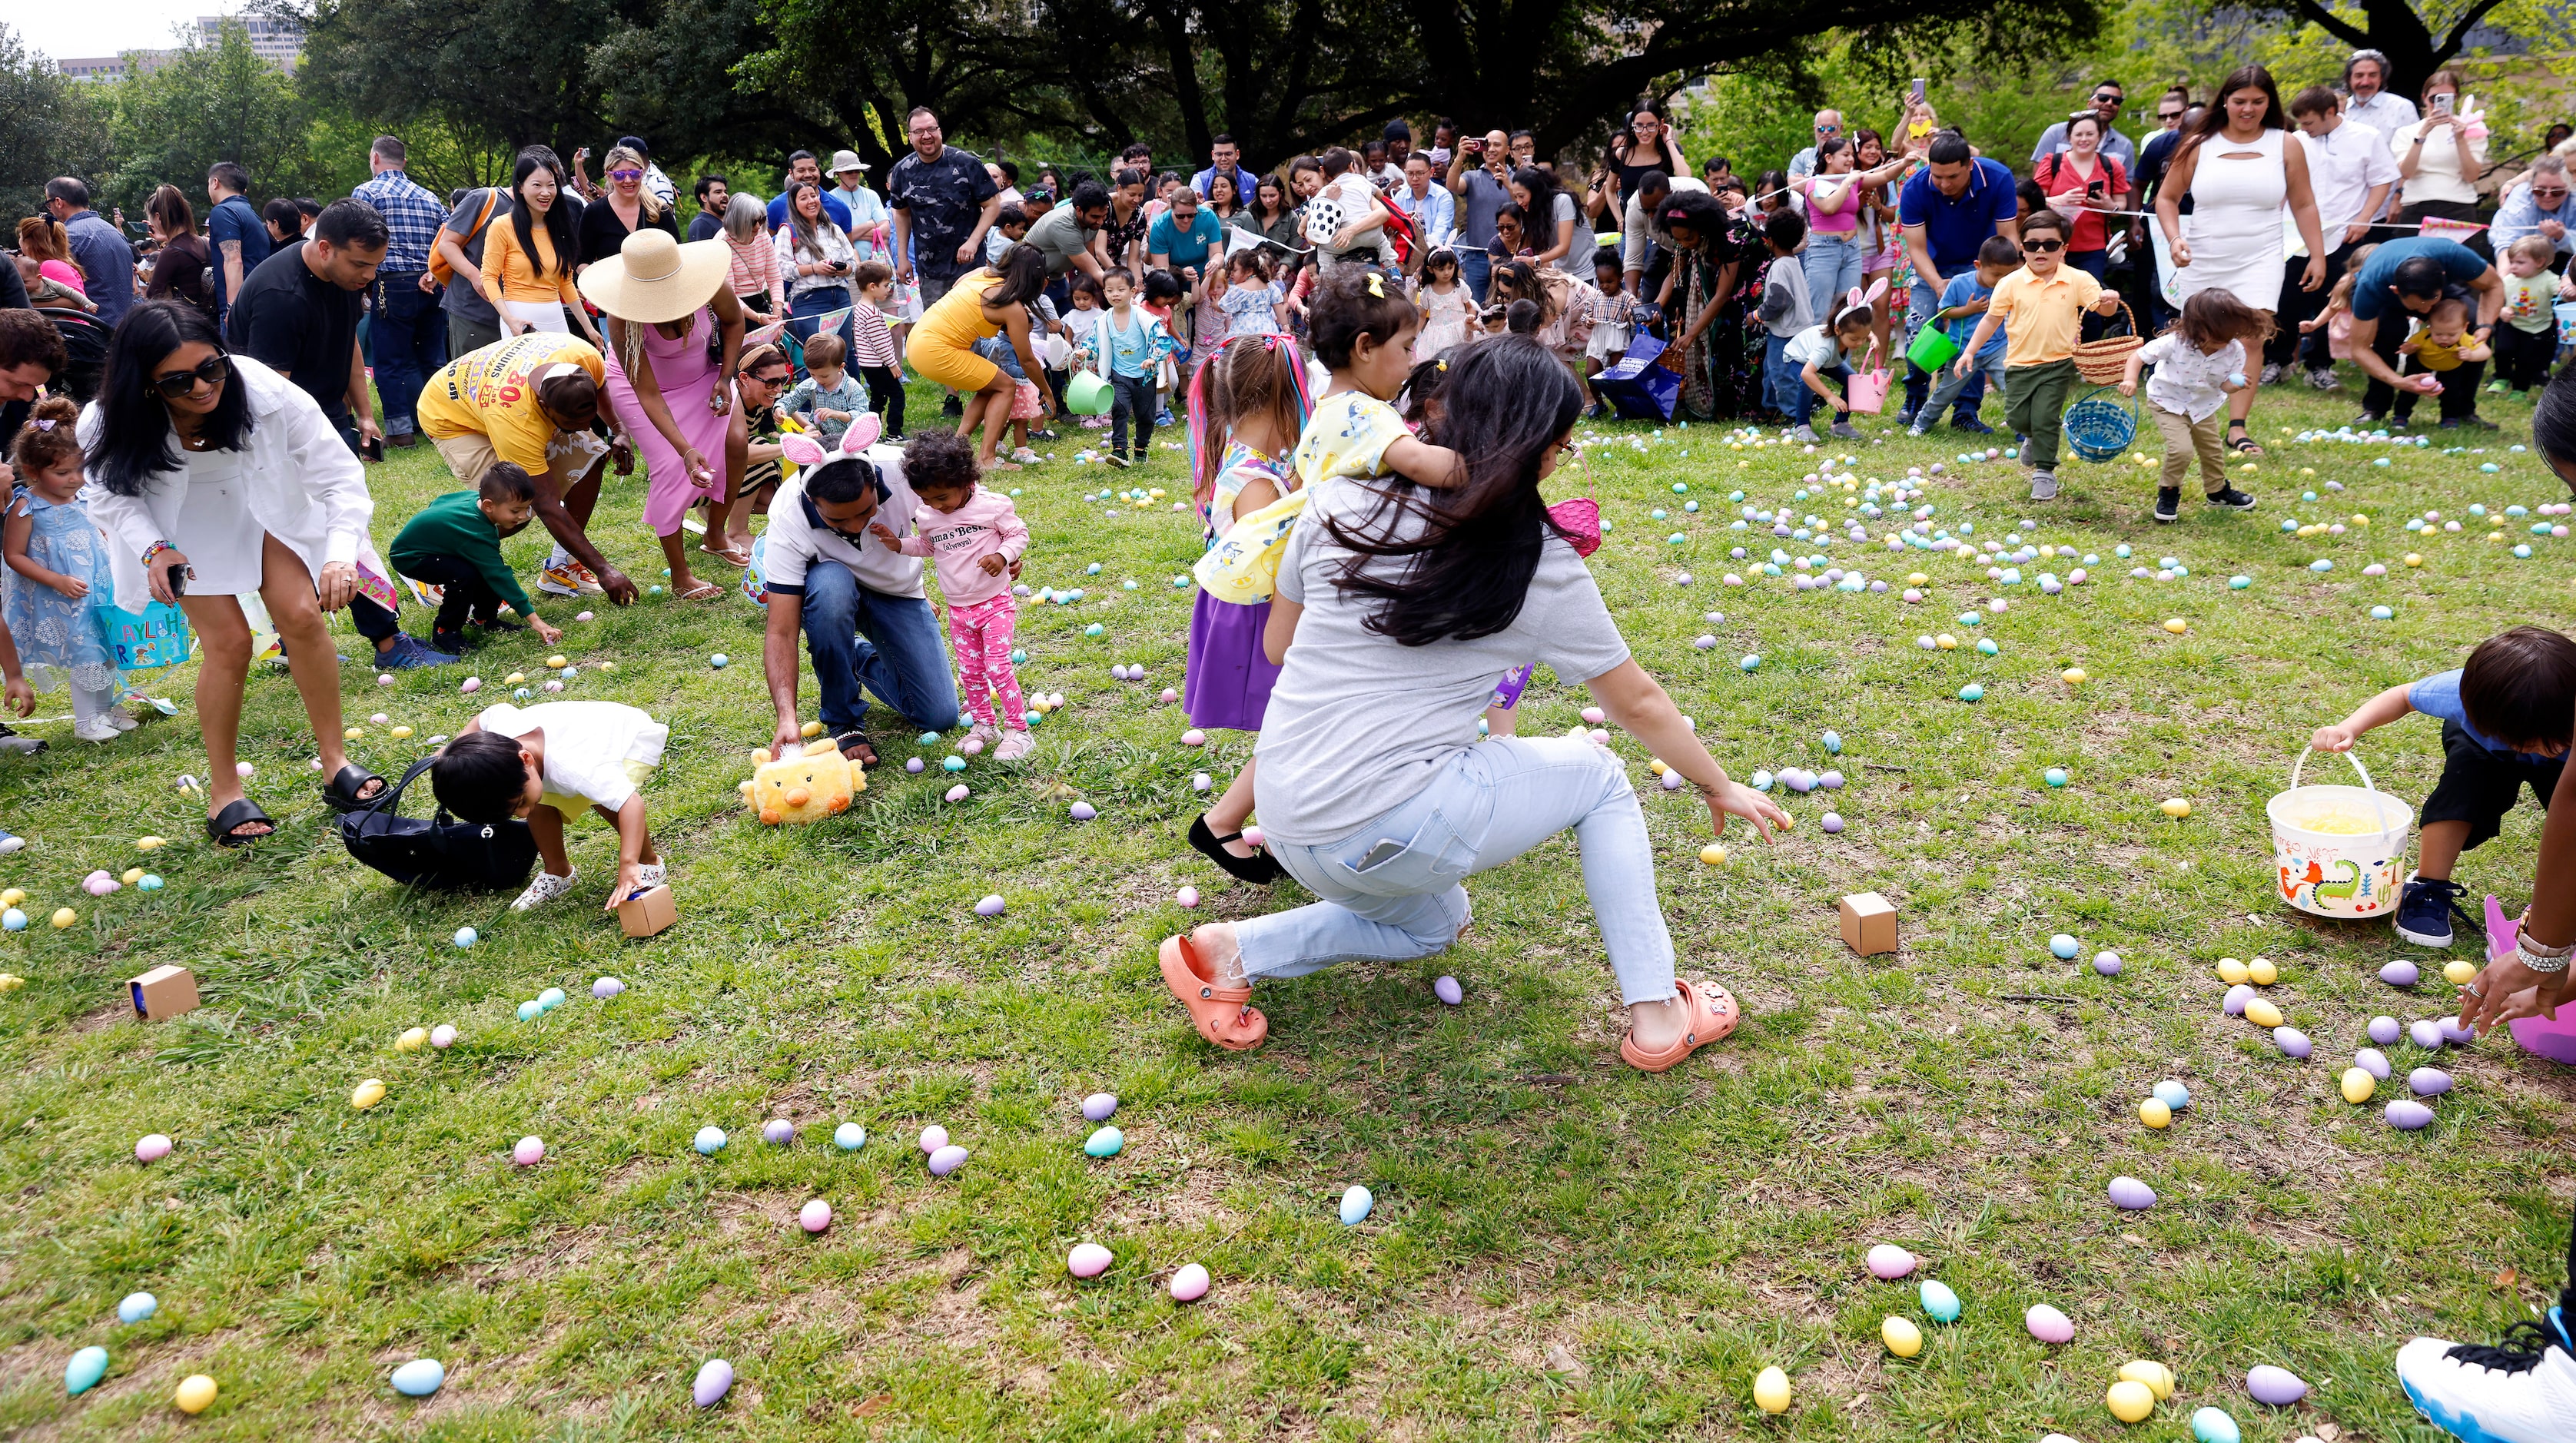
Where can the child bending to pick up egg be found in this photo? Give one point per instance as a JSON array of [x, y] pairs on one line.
[[2507, 719], [545, 763]]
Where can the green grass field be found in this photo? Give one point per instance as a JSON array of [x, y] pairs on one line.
[[1562, 1247]]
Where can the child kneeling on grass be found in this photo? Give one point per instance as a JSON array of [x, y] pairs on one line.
[[2045, 301], [454, 543], [2507, 719], [2199, 363], [545, 763]]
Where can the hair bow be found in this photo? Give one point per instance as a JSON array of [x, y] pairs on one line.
[[1377, 285], [45, 425]]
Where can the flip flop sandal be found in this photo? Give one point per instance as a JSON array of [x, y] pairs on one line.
[[1223, 1015], [343, 790], [728, 555], [1713, 1017], [703, 591], [223, 826], [1260, 869], [850, 743], [2241, 441]]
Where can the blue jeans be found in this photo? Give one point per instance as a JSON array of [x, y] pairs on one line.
[[410, 335], [821, 302], [1922, 304], [1780, 384], [891, 643], [1391, 891], [1832, 263], [1476, 268], [1988, 374], [1809, 401]]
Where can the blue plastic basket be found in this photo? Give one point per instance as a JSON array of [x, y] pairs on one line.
[[2101, 426]]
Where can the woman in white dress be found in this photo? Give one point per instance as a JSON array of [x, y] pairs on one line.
[[2239, 169], [213, 476]]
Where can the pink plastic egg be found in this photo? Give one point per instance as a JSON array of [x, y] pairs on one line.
[[1194, 738], [814, 1216], [958, 793], [1189, 1284], [1888, 1261], [152, 1148], [442, 1037], [470, 685], [529, 1151], [1087, 1260], [2047, 1324], [1187, 897]]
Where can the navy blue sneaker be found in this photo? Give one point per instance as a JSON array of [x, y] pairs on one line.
[[1970, 424], [409, 655], [2424, 911]]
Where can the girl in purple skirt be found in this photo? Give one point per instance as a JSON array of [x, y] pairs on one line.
[[1248, 409]]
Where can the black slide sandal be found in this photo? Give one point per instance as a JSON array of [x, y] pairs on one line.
[[240, 812], [1260, 869], [343, 793], [852, 743]]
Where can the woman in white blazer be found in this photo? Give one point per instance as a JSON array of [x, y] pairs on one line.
[[214, 476]]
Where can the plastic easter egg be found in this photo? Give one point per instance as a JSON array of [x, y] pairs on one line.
[[2130, 1401], [815, 1216], [2406, 1114], [1752, 662], [778, 1132], [64, 917], [2173, 1094], [2237, 998], [1939, 1303], [2357, 1085], [947, 1160], [913, 765], [1888, 1261], [1082, 811], [2274, 1387], [470, 685], [442, 1037], [420, 1377], [2459, 971], [2054, 776], [2261, 972], [149, 883], [137, 1307], [2061, 946], [1901, 1336], [1448, 990], [1187, 896], [1833, 742], [2130, 1195], [551, 998], [1357, 1202], [2428, 1081], [528, 1151], [412, 1040], [2261, 1012], [1099, 1107], [2400, 973], [2155, 1113], [84, 1370], [2176, 807], [1831, 821], [2212, 1425], [1194, 738], [1104, 1142], [719, 661], [2426, 1034], [952, 763], [606, 987], [1189, 1284], [2158, 1378], [367, 1094], [531, 1010], [710, 1140], [990, 906], [849, 1137], [1972, 692], [2047, 1324], [13, 920], [933, 1138], [196, 1394], [2232, 971], [131, 875], [2372, 1061], [714, 1380], [2292, 1042], [2107, 963]]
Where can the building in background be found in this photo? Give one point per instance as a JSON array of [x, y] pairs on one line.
[[278, 42]]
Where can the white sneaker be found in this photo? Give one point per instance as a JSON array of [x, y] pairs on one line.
[[545, 889], [649, 875], [985, 732], [1016, 743], [2522, 1390], [1805, 436], [2043, 486], [96, 729], [1025, 456]]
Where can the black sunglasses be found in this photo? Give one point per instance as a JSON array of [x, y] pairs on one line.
[[773, 382], [213, 371], [2043, 245]]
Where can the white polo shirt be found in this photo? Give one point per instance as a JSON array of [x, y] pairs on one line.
[[2342, 168], [797, 536]]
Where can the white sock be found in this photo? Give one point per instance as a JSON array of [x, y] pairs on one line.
[[88, 705]]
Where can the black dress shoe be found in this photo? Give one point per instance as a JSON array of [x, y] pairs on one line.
[[1260, 869]]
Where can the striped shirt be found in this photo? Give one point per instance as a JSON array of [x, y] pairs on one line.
[[754, 271], [872, 344], [412, 218]]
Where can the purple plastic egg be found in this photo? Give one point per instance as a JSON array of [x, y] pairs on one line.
[[778, 1132], [715, 1379], [1447, 990], [2429, 1081], [2372, 1061], [2400, 973], [2406, 1114], [2425, 1033], [2237, 997], [2047, 1324], [1831, 781], [1890, 1262], [2274, 1387], [2292, 1042], [991, 906], [1099, 1106], [2456, 1035], [913, 766], [947, 1160], [606, 987], [1833, 822], [2385, 1030], [2107, 963], [1083, 812], [1672, 780], [2131, 1195]]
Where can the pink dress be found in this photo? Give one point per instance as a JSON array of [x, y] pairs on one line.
[[687, 376]]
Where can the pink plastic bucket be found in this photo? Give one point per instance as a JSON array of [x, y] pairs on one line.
[[2555, 1040]]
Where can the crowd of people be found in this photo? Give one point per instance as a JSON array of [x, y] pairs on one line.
[[1380, 353]]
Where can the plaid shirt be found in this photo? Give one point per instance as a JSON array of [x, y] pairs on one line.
[[412, 217]]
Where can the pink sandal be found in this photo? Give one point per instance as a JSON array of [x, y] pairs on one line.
[[1713, 1017], [1222, 1014]]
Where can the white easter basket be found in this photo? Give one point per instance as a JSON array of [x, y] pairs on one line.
[[2349, 876]]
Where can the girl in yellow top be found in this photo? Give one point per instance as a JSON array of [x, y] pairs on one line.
[[988, 302], [527, 258]]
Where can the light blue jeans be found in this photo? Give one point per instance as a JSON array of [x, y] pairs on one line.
[[1833, 272], [1391, 890], [1952, 384]]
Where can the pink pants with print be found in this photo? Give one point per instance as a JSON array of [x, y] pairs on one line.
[[981, 633]]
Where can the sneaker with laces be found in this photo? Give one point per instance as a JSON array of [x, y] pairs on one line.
[[559, 581], [2169, 503], [2424, 909], [1846, 431], [2498, 388], [545, 889], [2323, 378], [2043, 485], [1016, 743], [95, 729], [2367, 420], [2467, 423], [2271, 373], [1115, 458], [2231, 498], [587, 581], [1803, 436], [2519, 1390], [407, 654]]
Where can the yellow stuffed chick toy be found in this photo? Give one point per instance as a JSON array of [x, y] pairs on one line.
[[803, 787]]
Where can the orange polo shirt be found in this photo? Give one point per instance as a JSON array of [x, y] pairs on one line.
[[2042, 317]]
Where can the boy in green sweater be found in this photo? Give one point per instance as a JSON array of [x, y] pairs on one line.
[[455, 543]]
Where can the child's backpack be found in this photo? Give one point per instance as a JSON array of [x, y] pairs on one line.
[[443, 853]]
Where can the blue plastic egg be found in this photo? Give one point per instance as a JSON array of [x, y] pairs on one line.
[[1105, 1142], [849, 1137], [2381, 613], [2173, 1094], [2213, 1425], [719, 661], [1093, 629], [420, 1377], [530, 1010], [1750, 663], [2062, 946], [1357, 1202], [137, 1307], [551, 998], [1833, 742], [1987, 647], [16, 921], [1019, 656], [2054, 776], [1939, 1303], [952, 763], [710, 1140], [2239, 583], [84, 1370], [150, 883], [1972, 692]]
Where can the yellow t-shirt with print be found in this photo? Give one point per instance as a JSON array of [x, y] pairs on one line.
[[1347, 436], [487, 393]]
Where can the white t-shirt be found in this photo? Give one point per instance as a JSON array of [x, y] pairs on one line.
[[2341, 170], [797, 536], [2186, 380], [587, 745]]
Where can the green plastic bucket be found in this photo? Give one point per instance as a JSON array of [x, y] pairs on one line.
[[1087, 395], [1932, 349]]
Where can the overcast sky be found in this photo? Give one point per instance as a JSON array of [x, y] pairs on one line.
[[104, 27]]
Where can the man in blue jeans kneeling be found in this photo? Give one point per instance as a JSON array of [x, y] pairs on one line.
[[860, 605]]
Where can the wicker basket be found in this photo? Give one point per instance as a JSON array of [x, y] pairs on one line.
[[2105, 361]]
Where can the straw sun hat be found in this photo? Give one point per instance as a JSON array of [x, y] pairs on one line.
[[654, 279]]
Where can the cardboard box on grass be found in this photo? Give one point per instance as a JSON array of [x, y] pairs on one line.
[[1869, 923], [163, 993], [648, 914]]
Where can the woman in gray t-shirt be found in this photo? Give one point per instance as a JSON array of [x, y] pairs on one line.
[[1404, 606]]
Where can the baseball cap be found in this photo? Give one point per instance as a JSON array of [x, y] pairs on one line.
[[843, 160]]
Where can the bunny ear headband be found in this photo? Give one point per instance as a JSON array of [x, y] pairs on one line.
[[1858, 299], [804, 450]]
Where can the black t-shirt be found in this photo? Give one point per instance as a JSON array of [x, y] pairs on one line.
[[298, 323], [705, 227], [943, 198], [598, 233]]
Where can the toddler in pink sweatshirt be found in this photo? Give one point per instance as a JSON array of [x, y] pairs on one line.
[[972, 535]]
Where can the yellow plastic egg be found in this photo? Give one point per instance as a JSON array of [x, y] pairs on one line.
[[64, 917], [2177, 625], [2073, 676], [2231, 971], [1771, 1391], [1656, 765], [2262, 972], [514, 678], [13, 897], [367, 1095], [2130, 1401], [1788, 821], [132, 875], [11, 981], [1916, 578], [2176, 807], [401, 733], [608, 666], [2458, 971], [150, 844], [1901, 1336], [812, 729], [1946, 642], [353, 733], [2357, 1085], [556, 663], [412, 1040], [2158, 1378], [1712, 854], [196, 1394], [2155, 1114], [2360, 520], [2262, 1013], [2414, 560]]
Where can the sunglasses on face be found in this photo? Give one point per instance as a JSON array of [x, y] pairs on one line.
[[212, 371], [2168, 115], [2108, 99], [626, 175], [2557, 192], [772, 382], [1828, 130], [2043, 245]]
